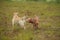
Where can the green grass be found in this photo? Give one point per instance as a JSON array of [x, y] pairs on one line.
[[49, 14]]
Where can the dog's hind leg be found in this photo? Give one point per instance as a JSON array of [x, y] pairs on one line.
[[22, 24]]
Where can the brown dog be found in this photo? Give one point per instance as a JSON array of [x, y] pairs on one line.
[[34, 21]]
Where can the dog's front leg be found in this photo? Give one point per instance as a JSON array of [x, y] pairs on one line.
[[13, 22]]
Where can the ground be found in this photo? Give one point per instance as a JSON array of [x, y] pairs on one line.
[[49, 21]]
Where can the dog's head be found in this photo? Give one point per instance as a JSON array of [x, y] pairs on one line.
[[15, 13]]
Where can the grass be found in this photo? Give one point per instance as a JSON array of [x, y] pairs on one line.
[[49, 14]]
